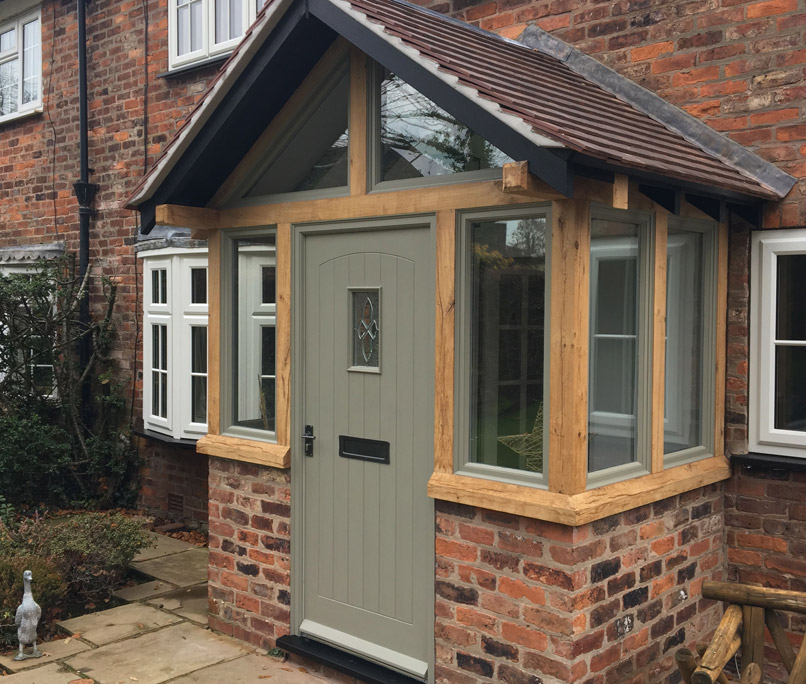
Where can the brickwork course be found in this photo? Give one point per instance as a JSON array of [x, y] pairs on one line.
[[517, 600]]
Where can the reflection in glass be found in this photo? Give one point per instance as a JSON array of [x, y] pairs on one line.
[[790, 352], [9, 82], [313, 156], [268, 278], [508, 271], [198, 286], [159, 371], [419, 139], [614, 338], [198, 374], [685, 341]]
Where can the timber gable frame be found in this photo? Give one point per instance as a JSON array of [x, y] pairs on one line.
[[177, 193]]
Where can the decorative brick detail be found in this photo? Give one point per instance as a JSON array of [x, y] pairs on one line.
[[765, 531], [597, 604], [249, 574], [173, 483]]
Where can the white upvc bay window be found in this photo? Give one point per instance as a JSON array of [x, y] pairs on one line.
[[777, 401], [202, 29], [20, 65], [175, 343]]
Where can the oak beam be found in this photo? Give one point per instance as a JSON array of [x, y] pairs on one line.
[[357, 148], [621, 191], [195, 218], [214, 333], [249, 450], [283, 333], [444, 341], [659, 342], [721, 339]]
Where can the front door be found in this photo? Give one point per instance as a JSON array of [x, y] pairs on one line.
[[367, 374]]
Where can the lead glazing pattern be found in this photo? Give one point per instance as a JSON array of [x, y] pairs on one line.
[[366, 329]]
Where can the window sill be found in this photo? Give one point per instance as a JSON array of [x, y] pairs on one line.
[[251, 451], [19, 116], [216, 61], [771, 461], [577, 509], [165, 439]]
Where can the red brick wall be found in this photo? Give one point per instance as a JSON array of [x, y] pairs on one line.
[[250, 545], [173, 483], [739, 65], [522, 601], [765, 526]]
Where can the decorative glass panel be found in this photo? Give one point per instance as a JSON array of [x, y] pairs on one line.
[[614, 339], [685, 340], [419, 139], [198, 286], [313, 156], [790, 350], [508, 271], [366, 328]]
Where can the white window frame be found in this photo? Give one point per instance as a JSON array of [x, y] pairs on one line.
[[179, 314], [764, 437], [209, 47], [18, 23]]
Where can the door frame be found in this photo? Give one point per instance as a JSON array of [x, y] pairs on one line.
[[298, 234]]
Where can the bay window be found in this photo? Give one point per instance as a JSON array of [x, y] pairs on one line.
[[20, 65], [778, 343], [175, 343], [202, 29]]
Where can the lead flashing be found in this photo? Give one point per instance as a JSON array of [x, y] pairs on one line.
[[681, 122]]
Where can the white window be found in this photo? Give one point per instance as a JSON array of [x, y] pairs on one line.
[[20, 65], [777, 401], [175, 342], [201, 29]]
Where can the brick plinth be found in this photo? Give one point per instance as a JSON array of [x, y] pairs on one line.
[[523, 602], [250, 546], [173, 483], [765, 530]]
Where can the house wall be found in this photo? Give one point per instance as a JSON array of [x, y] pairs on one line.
[[133, 112]]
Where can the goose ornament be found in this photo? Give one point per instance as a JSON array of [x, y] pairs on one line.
[[27, 619]]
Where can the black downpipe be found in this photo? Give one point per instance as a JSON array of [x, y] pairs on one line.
[[85, 194]]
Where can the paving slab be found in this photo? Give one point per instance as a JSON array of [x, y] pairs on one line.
[[156, 657], [251, 669], [53, 650], [190, 603], [146, 590], [118, 623], [162, 546], [49, 674], [182, 569]]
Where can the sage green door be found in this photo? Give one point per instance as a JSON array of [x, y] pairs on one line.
[[367, 372]]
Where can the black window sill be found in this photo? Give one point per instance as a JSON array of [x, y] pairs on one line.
[[165, 439], [194, 66], [771, 462]]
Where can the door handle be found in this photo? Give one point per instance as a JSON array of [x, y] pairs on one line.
[[308, 437]]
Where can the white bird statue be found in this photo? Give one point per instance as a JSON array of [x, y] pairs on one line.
[[27, 619]]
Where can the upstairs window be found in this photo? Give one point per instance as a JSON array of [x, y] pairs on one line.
[[201, 29], [20, 66], [778, 343]]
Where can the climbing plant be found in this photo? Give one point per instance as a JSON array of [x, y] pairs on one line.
[[58, 441]]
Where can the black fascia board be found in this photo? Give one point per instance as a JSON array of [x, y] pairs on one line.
[[271, 77], [543, 163]]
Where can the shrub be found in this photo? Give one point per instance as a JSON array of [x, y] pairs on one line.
[[48, 588]]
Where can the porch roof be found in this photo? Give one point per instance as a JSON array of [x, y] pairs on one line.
[[544, 103]]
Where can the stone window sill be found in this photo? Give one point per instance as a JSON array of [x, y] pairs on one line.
[[577, 509]]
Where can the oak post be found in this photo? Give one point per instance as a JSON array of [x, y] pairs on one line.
[[659, 340], [444, 341], [214, 333], [752, 636]]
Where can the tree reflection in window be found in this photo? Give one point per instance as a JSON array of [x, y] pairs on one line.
[[419, 139]]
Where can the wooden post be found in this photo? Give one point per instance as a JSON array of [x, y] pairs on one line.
[[722, 677], [358, 122], [779, 638], [659, 341], [621, 191], [444, 341], [779, 599], [752, 636], [686, 664], [798, 673], [751, 674], [515, 177], [724, 644]]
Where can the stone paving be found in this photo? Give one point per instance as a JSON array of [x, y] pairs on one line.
[[160, 636]]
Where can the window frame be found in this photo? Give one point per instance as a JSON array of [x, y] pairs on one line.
[[179, 314], [230, 370], [17, 23], [763, 436], [463, 465], [210, 48]]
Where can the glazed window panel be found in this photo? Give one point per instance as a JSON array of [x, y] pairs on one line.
[[20, 66], [790, 344], [508, 260]]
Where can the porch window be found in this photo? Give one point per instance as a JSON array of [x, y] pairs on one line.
[[252, 408], [175, 343], [20, 66], [778, 343], [415, 139], [201, 29]]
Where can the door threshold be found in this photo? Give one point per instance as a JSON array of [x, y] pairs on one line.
[[342, 661]]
